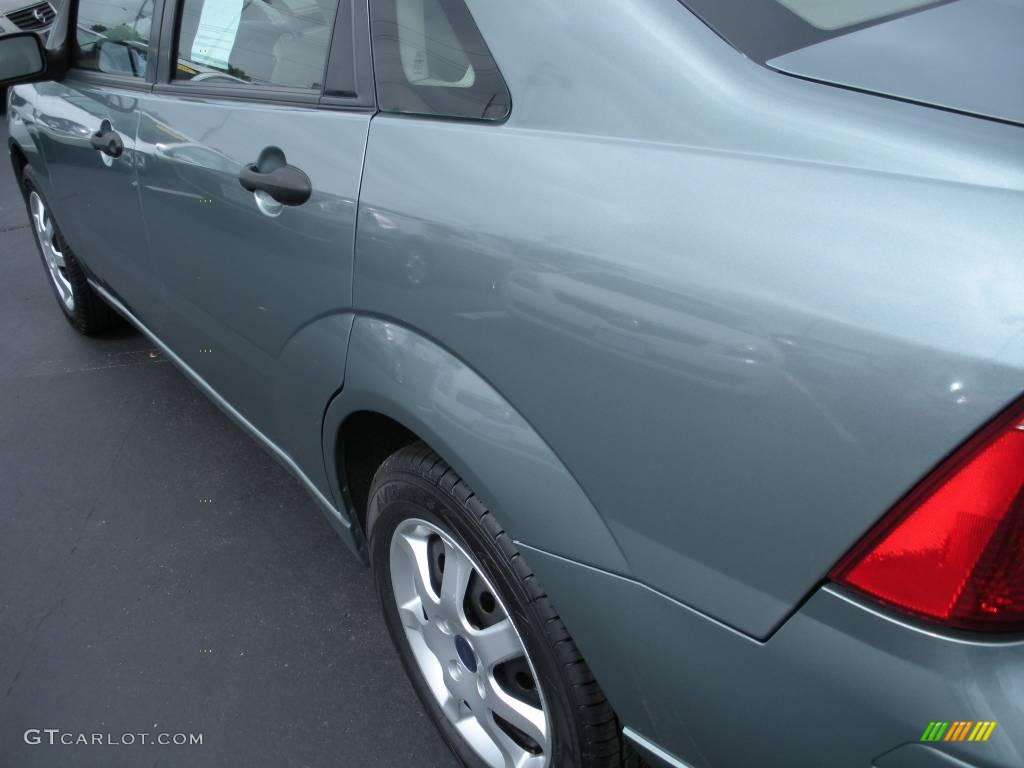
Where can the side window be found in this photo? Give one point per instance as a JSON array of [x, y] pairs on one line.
[[282, 43], [113, 36], [430, 59]]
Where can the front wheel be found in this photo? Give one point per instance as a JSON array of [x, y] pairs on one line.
[[82, 306], [487, 654]]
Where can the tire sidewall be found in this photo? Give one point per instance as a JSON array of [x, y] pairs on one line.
[[397, 499], [30, 184]]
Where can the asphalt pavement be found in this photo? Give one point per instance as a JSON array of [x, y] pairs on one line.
[[161, 574]]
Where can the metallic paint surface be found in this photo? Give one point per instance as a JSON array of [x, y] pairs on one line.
[[919, 756], [687, 326], [95, 198], [23, 132], [744, 311], [838, 684], [269, 296], [398, 373]]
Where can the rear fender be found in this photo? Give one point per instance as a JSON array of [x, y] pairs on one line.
[[395, 372]]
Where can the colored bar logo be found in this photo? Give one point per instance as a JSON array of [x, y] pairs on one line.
[[958, 730]]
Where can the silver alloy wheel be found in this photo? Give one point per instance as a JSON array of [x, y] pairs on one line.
[[456, 658], [42, 223]]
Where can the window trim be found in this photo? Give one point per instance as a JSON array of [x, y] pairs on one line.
[[449, 90], [791, 31], [95, 77], [348, 78]]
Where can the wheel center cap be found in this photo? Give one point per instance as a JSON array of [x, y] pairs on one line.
[[465, 651]]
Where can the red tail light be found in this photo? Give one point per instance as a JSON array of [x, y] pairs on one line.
[[953, 549]]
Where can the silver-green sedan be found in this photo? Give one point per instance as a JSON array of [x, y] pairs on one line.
[[662, 359]]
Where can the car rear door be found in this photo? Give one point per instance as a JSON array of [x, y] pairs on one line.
[[86, 126], [253, 141]]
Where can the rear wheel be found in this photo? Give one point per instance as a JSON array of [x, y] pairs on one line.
[[487, 654], [82, 306]]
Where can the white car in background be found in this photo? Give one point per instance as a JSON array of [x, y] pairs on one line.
[[20, 16]]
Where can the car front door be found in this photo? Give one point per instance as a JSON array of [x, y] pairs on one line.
[[253, 141], [87, 124]]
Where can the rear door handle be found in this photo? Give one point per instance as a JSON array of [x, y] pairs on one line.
[[271, 174], [107, 141]]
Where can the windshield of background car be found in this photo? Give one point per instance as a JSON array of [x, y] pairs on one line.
[[765, 29]]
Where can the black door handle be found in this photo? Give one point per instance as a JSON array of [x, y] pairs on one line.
[[107, 141], [285, 183]]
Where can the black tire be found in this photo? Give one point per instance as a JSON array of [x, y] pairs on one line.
[[416, 483], [91, 314]]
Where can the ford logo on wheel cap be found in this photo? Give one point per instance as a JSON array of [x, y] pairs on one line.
[[465, 651]]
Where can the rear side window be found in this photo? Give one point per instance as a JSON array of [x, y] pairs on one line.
[[114, 37], [430, 59], [767, 29], [281, 43]]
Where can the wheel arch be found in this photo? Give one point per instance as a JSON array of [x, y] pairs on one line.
[[400, 387], [362, 443]]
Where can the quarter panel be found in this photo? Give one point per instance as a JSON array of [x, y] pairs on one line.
[[734, 355]]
